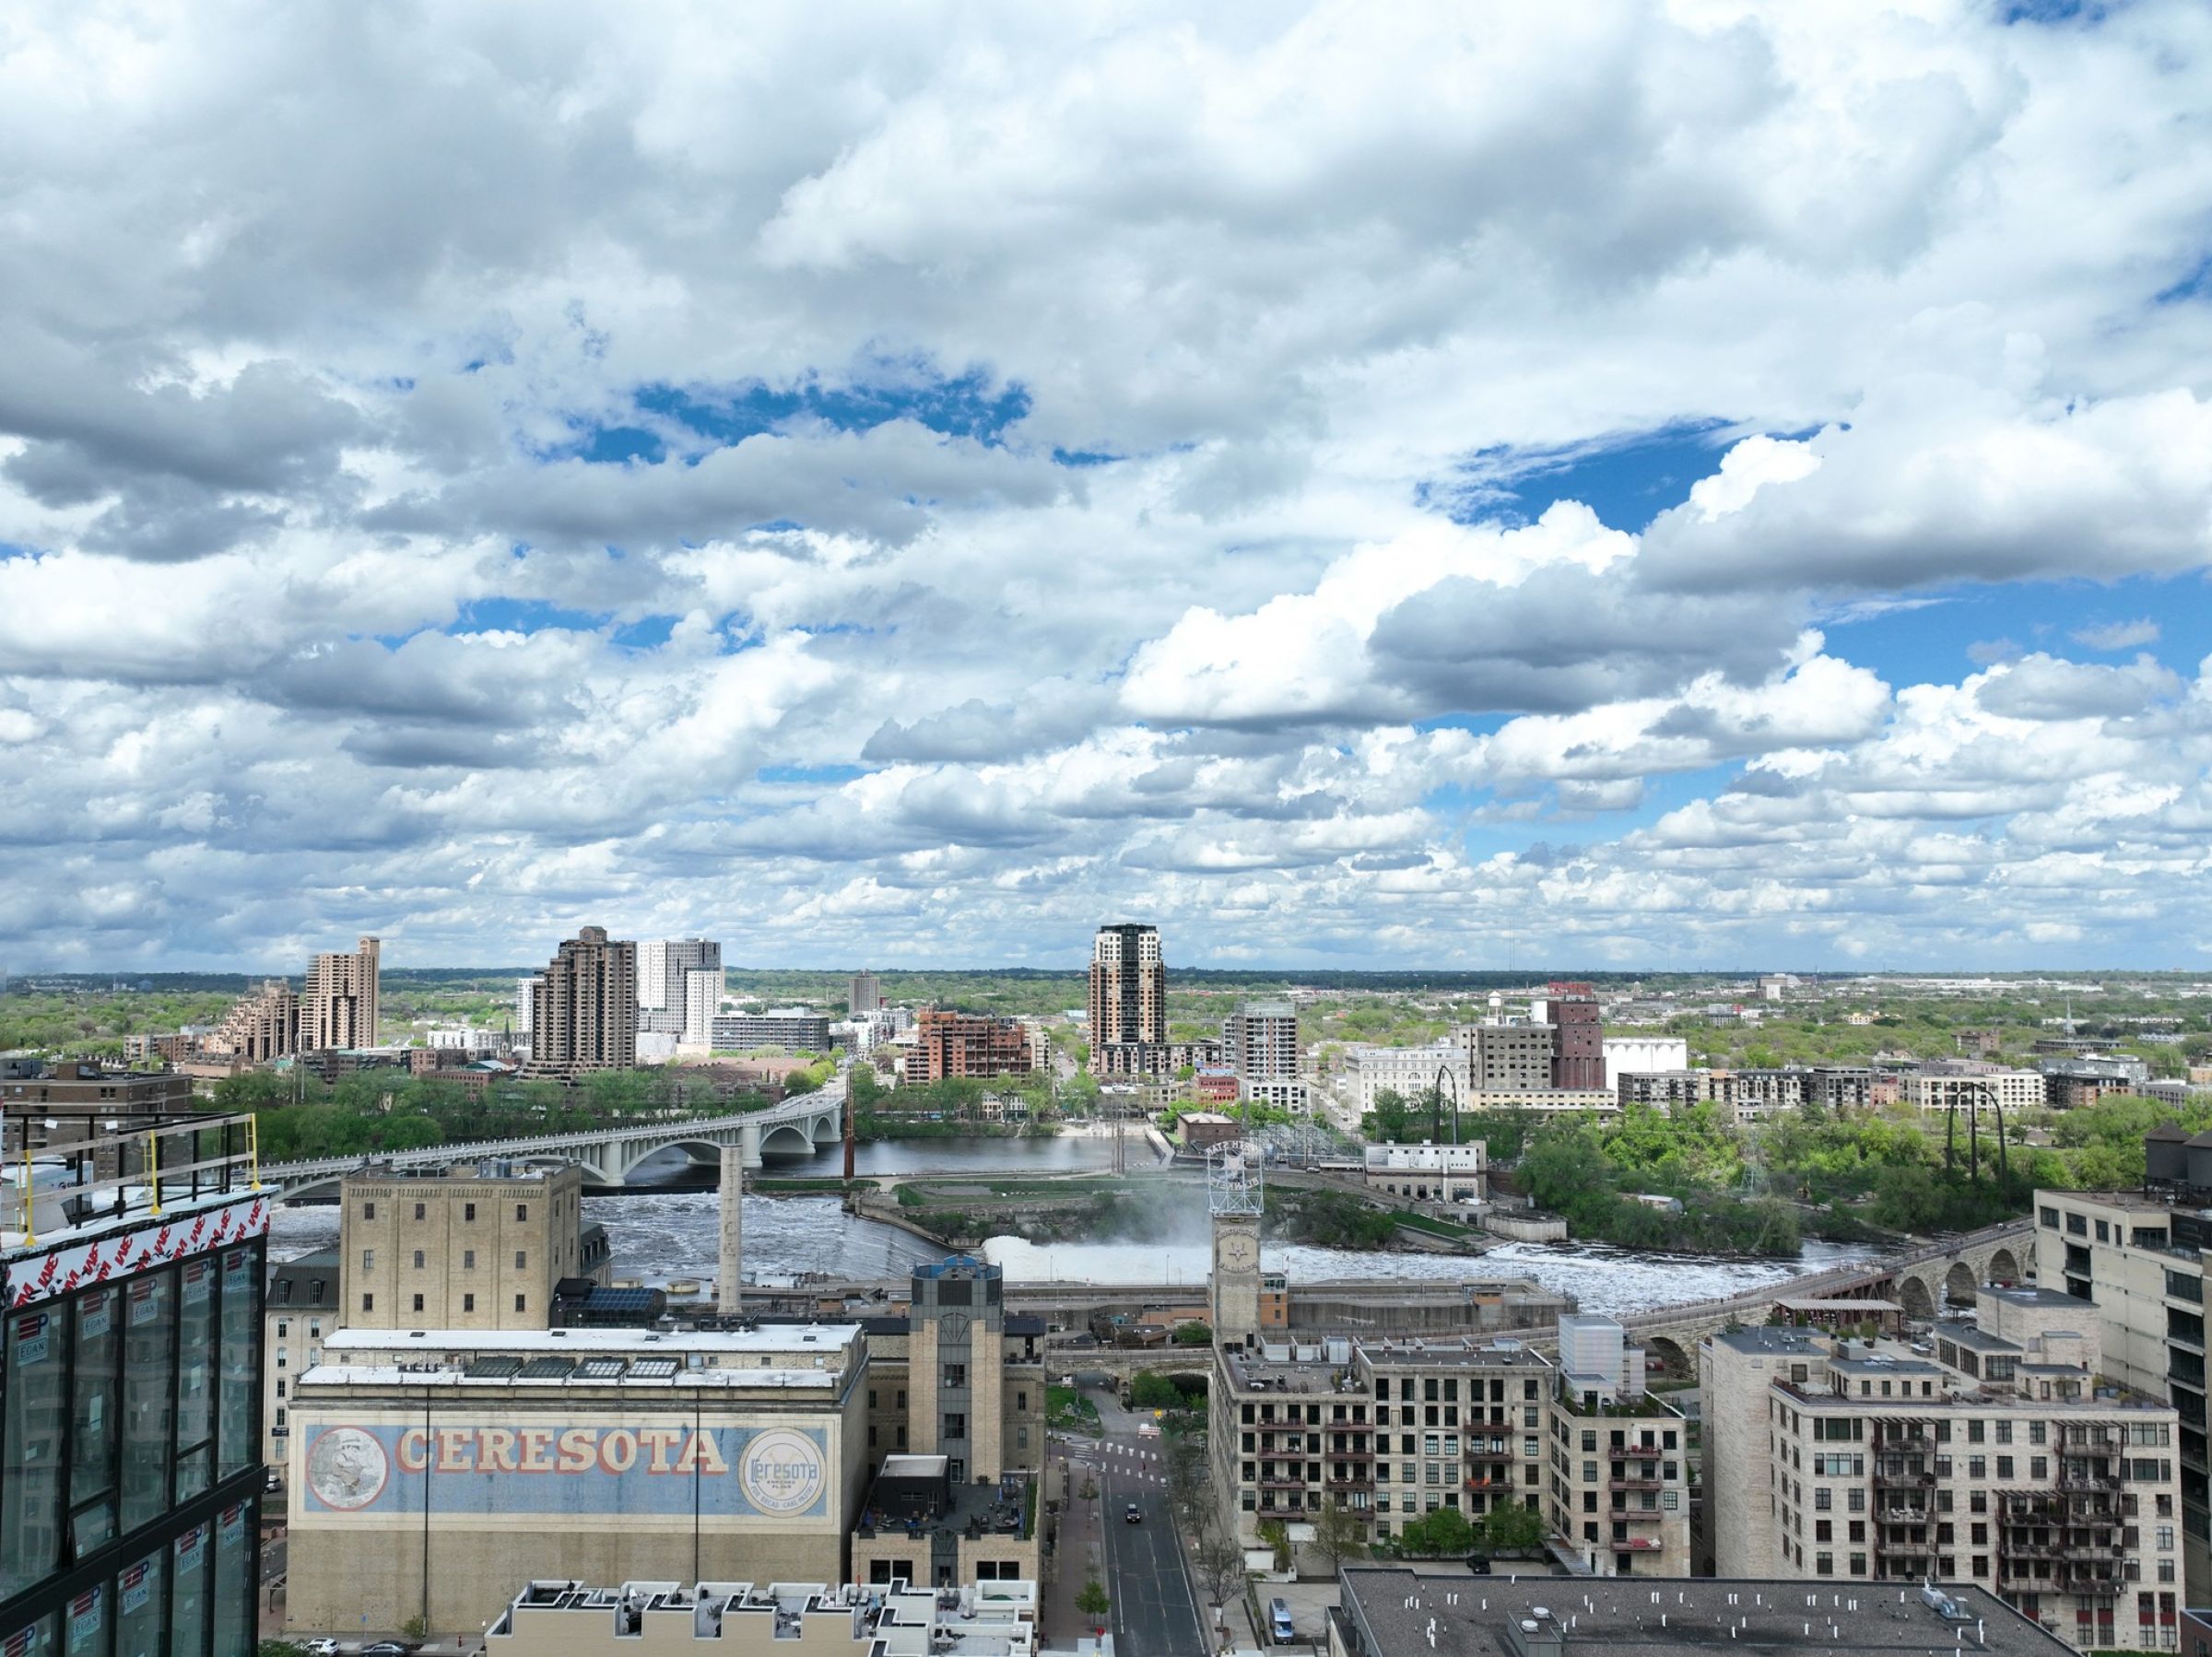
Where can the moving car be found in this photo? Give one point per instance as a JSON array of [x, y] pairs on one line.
[[1135, 1517]]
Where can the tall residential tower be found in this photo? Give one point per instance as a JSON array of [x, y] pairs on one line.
[[337, 1009], [583, 1006], [1128, 995]]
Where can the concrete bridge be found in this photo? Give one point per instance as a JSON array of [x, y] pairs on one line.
[[1922, 1280], [607, 1156]]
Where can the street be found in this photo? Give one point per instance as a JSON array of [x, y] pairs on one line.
[[1140, 1565]]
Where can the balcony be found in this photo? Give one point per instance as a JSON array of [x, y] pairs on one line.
[[1635, 1484], [1483, 1452], [1500, 1480], [1284, 1482], [1894, 1549], [1636, 1515], [1903, 1481], [1349, 1482], [2087, 1484]]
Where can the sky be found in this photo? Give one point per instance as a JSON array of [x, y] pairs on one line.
[[1615, 485]]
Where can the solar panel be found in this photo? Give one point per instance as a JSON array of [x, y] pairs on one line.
[[652, 1369], [621, 1299], [494, 1368], [544, 1368], [600, 1368]]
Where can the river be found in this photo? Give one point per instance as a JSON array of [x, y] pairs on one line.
[[671, 1232]]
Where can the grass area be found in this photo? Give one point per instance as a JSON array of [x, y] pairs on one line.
[[813, 1185], [1068, 1410], [1435, 1228]]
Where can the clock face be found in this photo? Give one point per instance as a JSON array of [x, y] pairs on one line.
[[1238, 1252]]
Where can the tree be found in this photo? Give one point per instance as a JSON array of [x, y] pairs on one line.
[[1149, 1390], [1092, 1600], [1439, 1535], [1220, 1564], [1190, 1489], [1194, 1335], [1276, 1535], [1339, 1533], [1510, 1526]]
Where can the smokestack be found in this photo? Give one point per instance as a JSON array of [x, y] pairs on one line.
[[729, 1279]]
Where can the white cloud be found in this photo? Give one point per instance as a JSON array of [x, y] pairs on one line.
[[337, 606]]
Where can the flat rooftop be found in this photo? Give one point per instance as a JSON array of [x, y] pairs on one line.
[[1390, 1613], [813, 1358]]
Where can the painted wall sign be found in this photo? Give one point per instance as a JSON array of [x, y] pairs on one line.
[[738, 1472]]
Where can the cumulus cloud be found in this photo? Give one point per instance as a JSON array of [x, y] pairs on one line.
[[906, 484]]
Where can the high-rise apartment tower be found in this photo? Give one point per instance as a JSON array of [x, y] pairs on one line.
[[583, 1006], [863, 994], [337, 1009], [1128, 987]]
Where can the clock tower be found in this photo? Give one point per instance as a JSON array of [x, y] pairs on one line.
[[1236, 1278]]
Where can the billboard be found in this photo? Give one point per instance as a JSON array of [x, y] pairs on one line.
[[776, 1472]]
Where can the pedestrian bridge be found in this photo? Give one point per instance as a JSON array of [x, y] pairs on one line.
[[797, 1127], [1923, 1281]]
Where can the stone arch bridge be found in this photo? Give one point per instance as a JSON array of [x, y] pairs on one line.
[[607, 1156], [1923, 1281]]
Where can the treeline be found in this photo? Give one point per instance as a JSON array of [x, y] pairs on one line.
[[1754, 1189], [1327, 1219], [302, 1117]]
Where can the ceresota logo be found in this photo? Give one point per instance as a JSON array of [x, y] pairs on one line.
[[781, 1472]]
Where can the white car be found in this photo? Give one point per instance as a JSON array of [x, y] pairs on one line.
[[325, 1647]]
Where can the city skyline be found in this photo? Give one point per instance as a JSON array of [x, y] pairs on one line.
[[1664, 487]]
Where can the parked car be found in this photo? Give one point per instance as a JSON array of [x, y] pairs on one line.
[[322, 1647], [1280, 1623], [385, 1648]]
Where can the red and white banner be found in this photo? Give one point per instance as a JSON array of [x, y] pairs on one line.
[[119, 1253]]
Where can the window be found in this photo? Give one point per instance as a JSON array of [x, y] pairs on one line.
[[956, 1427], [468, 1260], [1022, 1399], [418, 1260], [522, 1211], [419, 1211], [522, 1260], [2050, 1218], [521, 1303], [956, 1375], [368, 1260], [368, 1302], [468, 1303], [468, 1213], [367, 1211], [149, 1322], [418, 1302]]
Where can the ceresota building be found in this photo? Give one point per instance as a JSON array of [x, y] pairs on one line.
[[433, 1473]]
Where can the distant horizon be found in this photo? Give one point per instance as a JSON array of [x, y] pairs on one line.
[[1512, 976]]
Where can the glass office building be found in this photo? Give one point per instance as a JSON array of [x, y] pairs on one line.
[[130, 1411]]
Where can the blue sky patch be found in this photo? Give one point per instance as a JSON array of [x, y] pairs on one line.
[[810, 773], [1626, 480], [1962, 630]]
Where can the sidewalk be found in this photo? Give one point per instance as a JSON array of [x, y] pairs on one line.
[[1077, 1557]]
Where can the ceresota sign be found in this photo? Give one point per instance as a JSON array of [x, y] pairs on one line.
[[781, 1472]]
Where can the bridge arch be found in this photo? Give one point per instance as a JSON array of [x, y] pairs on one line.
[[2004, 1267], [1913, 1296], [1672, 1358], [1959, 1284], [795, 1138]]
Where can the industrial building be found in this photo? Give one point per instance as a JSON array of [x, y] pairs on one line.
[[433, 1472]]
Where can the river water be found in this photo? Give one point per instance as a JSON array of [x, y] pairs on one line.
[[671, 1232]]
